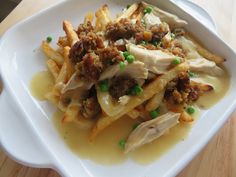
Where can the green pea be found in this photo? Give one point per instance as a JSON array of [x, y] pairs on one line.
[[148, 10], [122, 65], [104, 86], [191, 74], [190, 110], [143, 42], [130, 58], [156, 43], [49, 39], [125, 54], [153, 114], [137, 90], [176, 61], [122, 144]]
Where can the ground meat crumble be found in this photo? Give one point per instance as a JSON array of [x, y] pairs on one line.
[[180, 90], [121, 86], [123, 29]]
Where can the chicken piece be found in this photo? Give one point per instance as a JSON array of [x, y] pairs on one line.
[[75, 89], [123, 100], [205, 66], [189, 47], [155, 61], [196, 61], [134, 114], [151, 76], [76, 82], [151, 20], [173, 20], [166, 40], [194, 50], [135, 70], [150, 130]]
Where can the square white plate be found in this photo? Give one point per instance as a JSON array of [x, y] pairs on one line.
[[21, 58]]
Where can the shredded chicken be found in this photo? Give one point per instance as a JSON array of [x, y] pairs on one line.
[[76, 82], [173, 20], [166, 40], [205, 66], [124, 99], [189, 47], [150, 130], [136, 69], [151, 20], [155, 61]]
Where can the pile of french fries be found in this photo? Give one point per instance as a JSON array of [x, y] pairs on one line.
[[61, 68]]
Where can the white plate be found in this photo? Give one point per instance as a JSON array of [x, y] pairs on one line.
[[26, 130]]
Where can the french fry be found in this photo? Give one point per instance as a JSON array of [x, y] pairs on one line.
[[103, 17], [70, 69], [155, 101], [56, 90], [83, 123], [178, 108], [154, 87], [70, 33], [138, 14], [51, 53], [88, 18], [128, 12], [55, 98], [63, 42], [62, 77], [204, 52], [202, 87], [185, 117], [134, 114], [71, 112], [53, 68], [52, 98]]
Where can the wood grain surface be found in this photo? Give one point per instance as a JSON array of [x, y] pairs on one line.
[[217, 159]]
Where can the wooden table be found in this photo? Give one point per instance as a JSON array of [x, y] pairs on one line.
[[217, 159]]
